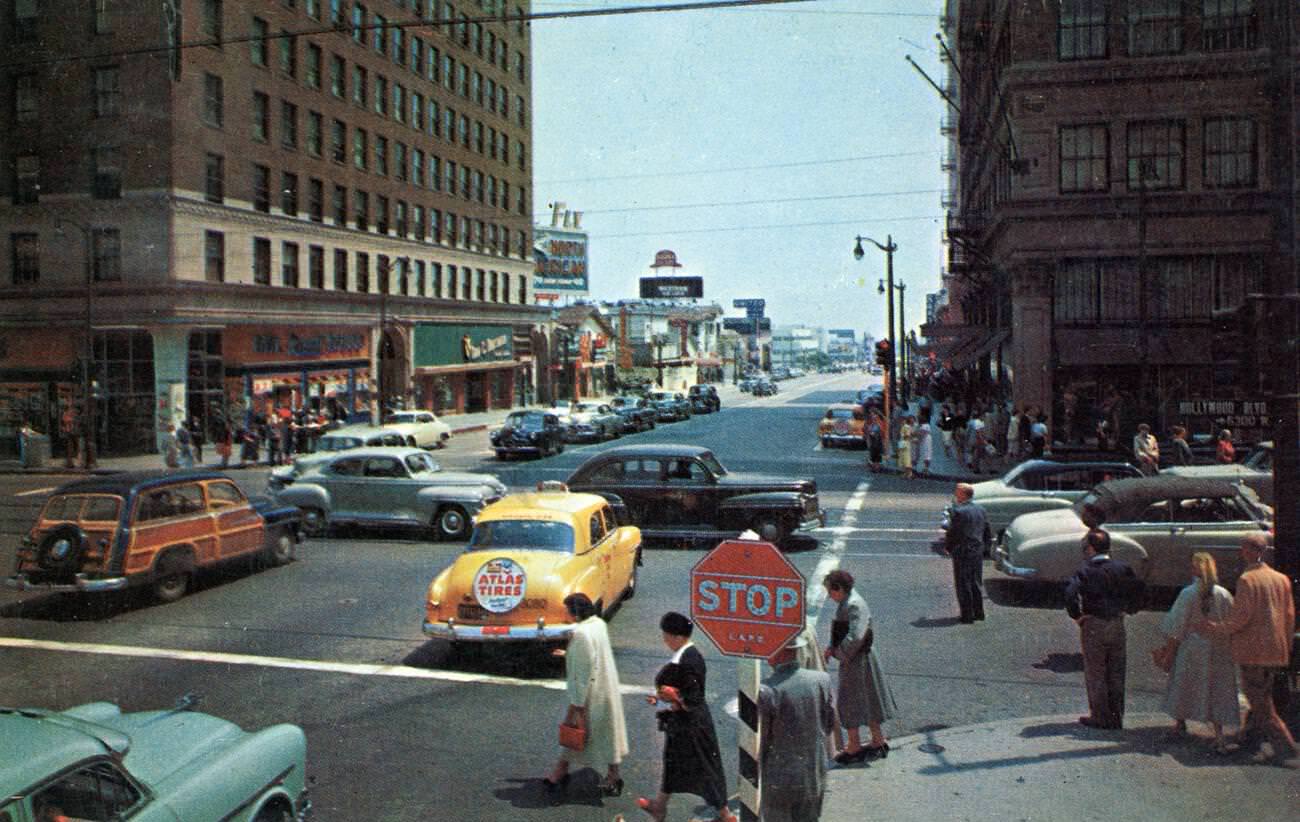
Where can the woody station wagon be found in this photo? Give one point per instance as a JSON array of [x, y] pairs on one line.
[[149, 528]]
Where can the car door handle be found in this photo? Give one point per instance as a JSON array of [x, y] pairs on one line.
[[1178, 530]]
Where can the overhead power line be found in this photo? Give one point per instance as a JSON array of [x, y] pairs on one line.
[[730, 169], [726, 229], [346, 27], [820, 198]]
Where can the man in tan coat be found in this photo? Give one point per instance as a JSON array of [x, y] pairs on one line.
[[1260, 627]]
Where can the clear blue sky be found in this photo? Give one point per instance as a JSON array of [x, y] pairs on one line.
[[639, 119]]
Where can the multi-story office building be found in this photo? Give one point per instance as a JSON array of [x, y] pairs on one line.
[[262, 202], [1114, 199]]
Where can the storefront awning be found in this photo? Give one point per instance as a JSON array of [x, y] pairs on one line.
[[709, 362], [434, 370], [977, 348]]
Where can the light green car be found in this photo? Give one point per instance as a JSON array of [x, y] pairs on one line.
[[93, 762], [1155, 525]]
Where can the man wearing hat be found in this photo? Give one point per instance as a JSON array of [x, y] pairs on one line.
[[794, 706]]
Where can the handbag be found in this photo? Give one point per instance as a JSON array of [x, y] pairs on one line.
[[573, 737], [1163, 657]]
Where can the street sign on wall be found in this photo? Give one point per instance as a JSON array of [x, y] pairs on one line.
[[748, 598]]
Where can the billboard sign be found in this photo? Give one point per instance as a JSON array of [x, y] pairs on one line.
[[672, 288], [560, 262], [753, 307]]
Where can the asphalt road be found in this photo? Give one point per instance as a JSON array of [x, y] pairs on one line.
[[400, 729]]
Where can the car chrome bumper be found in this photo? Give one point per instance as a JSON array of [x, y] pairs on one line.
[[849, 438], [812, 521], [304, 810], [1002, 561], [497, 633], [81, 583]]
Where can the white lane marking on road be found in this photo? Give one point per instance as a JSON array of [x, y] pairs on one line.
[[831, 556], [34, 491], [873, 555], [846, 530], [322, 666]]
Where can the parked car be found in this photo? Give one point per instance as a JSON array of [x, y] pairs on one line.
[[704, 399], [670, 406], [1155, 525], [764, 388], [682, 492], [149, 528], [340, 439], [419, 429], [637, 413], [386, 487], [747, 384], [1042, 485], [563, 413], [1256, 472], [93, 762], [528, 432], [527, 553], [873, 396], [844, 424], [594, 422]]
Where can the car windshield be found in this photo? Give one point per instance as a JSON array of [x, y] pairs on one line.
[[422, 464], [1009, 478], [840, 414], [584, 408], [521, 534], [330, 443], [711, 463], [402, 416], [524, 421]]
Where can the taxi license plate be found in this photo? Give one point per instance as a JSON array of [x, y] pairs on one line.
[[496, 630], [471, 612]]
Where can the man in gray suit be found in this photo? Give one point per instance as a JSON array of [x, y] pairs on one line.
[[794, 707], [967, 538]]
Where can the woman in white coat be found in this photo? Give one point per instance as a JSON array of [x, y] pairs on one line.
[[1203, 682], [595, 702]]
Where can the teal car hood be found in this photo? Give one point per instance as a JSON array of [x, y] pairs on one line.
[[165, 742]]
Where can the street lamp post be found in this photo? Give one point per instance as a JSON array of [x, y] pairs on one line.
[[889, 248], [904, 356], [88, 350]]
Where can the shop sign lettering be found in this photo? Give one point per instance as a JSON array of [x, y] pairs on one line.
[[488, 348], [1229, 413], [309, 345]]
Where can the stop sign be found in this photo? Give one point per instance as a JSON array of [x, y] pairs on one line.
[[748, 598]]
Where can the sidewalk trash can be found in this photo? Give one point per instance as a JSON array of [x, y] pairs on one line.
[[34, 449]]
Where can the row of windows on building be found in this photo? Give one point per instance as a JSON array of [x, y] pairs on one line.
[[1156, 27], [366, 213], [1156, 155], [425, 117], [426, 62], [1107, 290], [351, 271], [393, 275]]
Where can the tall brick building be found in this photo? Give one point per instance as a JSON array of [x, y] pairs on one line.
[[258, 202], [1113, 201]]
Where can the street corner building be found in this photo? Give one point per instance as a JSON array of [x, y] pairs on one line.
[[1119, 179], [319, 205]]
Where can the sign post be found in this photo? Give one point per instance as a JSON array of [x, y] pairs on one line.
[[749, 599]]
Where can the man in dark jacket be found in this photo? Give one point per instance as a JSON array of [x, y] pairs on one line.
[[965, 541], [1097, 597]]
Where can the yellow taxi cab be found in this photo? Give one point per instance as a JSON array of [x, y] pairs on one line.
[[843, 424], [527, 553]]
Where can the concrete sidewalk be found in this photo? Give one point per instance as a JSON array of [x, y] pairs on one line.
[[1053, 768]]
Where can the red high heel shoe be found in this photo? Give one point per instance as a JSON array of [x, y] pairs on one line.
[[647, 805]]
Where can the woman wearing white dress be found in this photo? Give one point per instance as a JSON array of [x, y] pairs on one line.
[[1203, 683], [924, 437], [595, 701]]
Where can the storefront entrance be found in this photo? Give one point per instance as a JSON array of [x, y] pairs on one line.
[[475, 392]]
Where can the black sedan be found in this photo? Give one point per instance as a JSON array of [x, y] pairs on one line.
[[682, 493], [528, 432], [669, 406]]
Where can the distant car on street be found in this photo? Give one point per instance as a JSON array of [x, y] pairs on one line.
[[843, 424], [387, 487], [670, 406], [765, 388], [536, 433], [704, 399], [93, 762], [682, 492], [594, 422], [419, 429], [747, 384], [637, 413]]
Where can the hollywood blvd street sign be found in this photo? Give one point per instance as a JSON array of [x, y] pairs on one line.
[[748, 598]]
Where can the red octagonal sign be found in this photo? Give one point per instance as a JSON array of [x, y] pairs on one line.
[[748, 598]]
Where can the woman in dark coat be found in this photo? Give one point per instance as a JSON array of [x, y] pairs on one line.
[[692, 762]]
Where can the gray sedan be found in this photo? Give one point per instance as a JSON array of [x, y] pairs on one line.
[[386, 486]]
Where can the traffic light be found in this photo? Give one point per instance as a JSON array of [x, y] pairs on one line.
[[884, 354]]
